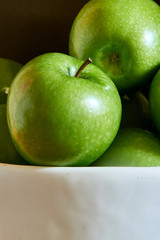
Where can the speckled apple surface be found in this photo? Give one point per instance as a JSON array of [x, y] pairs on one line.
[[90, 203], [57, 119], [121, 37]]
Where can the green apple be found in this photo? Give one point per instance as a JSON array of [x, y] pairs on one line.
[[8, 152], [8, 70], [57, 118], [122, 38], [154, 100], [132, 147], [135, 111]]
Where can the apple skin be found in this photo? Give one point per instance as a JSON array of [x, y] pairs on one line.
[[132, 147], [154, 100], [135, 112], [8, 152], [121, 37], [8, 70], [57, 119]]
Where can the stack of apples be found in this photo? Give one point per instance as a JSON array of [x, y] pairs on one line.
[[97, 106]]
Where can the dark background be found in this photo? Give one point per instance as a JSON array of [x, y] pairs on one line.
[[32, 27], [29, 28]]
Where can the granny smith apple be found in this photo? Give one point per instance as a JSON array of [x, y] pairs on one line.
[[60, 113], [132, 147], [154, 100], [122, 38], [135, 111], [8, 152], [8, 70]]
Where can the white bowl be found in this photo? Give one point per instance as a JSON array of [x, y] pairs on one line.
[[79, 203]]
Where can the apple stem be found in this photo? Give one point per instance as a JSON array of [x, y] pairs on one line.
[[88, 61]]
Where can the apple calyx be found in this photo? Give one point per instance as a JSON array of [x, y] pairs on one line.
[[114, 58], [88, 61]]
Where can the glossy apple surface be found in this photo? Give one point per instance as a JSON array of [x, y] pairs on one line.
[[122, 38], [8, 70], [154, 100], [58, 119], [8, 152], [132, 147]]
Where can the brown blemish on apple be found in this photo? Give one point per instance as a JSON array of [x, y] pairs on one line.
[[25, 86]]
